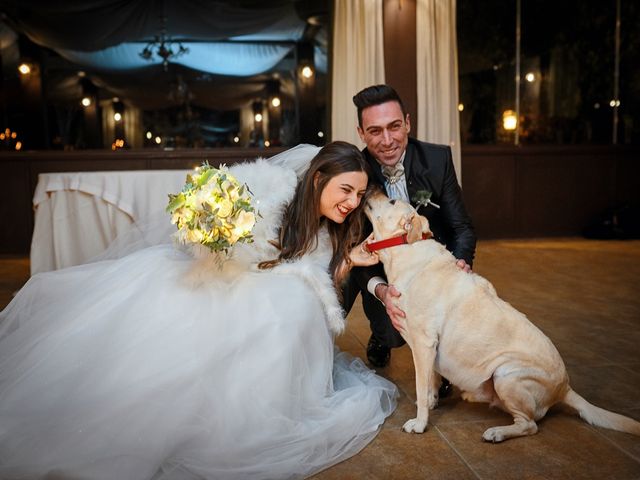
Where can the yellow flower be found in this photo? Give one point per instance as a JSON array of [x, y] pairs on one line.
[[225, 232], [195, 236], [225, 207]]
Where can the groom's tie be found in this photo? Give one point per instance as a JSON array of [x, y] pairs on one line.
[[396, 184]]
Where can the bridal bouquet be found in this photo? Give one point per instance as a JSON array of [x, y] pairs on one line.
[[213, 209]]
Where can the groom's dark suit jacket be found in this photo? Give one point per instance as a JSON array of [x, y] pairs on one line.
[[427, 167]]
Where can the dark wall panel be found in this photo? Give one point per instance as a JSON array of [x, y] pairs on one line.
[[16, 215], [509, 192], [489, 191]]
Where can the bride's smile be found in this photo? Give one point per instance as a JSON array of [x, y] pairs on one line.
[[342, 195]]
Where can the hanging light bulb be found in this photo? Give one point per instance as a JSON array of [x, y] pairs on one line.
[[509, 120]]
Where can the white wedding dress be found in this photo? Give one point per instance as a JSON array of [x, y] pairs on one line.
[[160, 365]]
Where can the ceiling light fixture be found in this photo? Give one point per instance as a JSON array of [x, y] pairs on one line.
[[162, 46]]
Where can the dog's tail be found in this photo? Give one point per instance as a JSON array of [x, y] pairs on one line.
[[599, 416]]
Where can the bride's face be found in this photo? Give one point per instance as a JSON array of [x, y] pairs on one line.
[[342, 194]]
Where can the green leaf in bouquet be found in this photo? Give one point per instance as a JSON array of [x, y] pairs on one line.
[[243, 204], [189, 183], [175, 201], [206, 176]]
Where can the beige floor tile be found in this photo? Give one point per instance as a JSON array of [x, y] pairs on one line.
[[564, 448], [610, 387], [398, 455]]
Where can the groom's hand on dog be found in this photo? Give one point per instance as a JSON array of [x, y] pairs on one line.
[[388, 294], [462, 265]]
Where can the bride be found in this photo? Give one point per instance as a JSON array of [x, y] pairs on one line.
[[164, 365]]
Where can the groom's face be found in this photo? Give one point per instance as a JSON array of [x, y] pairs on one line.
[[385, 131]]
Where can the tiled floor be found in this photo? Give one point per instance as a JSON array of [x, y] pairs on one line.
[[585, 295]]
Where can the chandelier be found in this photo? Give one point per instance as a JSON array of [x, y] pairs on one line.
[[163, 46]]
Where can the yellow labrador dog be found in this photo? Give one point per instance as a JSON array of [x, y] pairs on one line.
[[457, 326]]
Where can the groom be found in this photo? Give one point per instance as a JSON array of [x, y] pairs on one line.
[[407, 169]]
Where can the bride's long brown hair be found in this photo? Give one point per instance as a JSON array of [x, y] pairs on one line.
[[302, 220]]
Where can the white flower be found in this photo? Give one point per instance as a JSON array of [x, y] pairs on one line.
[[245, 221]]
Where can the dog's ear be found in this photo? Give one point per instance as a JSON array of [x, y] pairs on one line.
[[415, 226]]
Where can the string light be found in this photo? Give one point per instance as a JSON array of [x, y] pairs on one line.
[[118, 143]]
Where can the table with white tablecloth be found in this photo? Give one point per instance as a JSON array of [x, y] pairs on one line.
[[79, 214]]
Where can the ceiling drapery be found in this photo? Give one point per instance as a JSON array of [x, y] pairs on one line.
[[229, 58], [109, 35], [98, 24], [228, 38]]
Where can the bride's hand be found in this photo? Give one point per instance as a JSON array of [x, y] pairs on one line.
[[361, 257]]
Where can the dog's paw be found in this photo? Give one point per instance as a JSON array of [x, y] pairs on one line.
[[335, 320], [494, 435], [415, 426]]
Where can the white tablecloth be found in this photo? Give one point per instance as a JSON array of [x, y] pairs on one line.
[[78, 214]]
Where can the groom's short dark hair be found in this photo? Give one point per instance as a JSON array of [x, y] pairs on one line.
[[376, 95]]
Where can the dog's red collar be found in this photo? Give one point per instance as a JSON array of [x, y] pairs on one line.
[[393, 242]]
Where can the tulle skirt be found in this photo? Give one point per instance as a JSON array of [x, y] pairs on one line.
[[126, 369]]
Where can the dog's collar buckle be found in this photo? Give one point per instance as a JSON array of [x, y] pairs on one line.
[[393, 242]]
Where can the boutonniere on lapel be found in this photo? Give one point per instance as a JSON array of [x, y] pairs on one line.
[[423, 197]]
